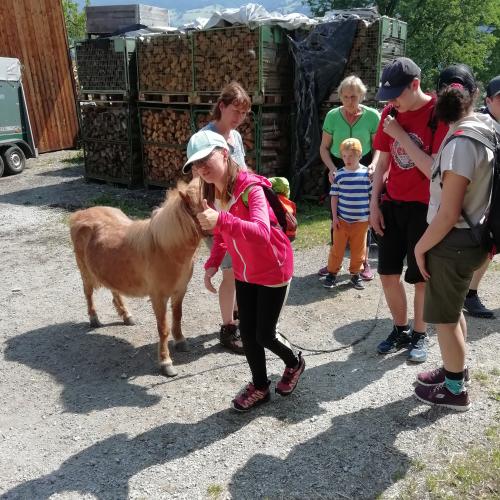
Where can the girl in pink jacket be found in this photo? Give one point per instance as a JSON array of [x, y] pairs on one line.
[[237, 211]]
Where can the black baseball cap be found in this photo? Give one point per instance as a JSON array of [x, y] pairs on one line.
[[493, 87], [396, 76], [457, 73]]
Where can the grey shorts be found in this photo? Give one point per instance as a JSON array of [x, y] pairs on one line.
[[451, 264], [226, 263]]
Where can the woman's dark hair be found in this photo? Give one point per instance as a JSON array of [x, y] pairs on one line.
[[232, 93], [457, 90]]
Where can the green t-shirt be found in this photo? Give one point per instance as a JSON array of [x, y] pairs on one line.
[[362, 129]]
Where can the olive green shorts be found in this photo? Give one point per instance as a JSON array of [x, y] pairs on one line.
[[451, 264]]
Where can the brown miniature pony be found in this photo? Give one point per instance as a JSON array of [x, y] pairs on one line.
[[152, 257]]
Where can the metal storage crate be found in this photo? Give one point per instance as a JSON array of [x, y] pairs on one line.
[[258, 59], [106, 66], [165, 131], [111, 143], [165, 65]]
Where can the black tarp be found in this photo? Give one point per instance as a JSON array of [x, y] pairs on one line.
[[320, 60]]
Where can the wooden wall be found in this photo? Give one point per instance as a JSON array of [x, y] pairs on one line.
[[34, 32]]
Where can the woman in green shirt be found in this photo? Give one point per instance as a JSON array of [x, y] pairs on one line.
[[352, 119]]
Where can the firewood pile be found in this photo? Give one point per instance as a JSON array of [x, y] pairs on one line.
[[166, 126], [100, 66], [105, 160], [105, 121], [313, 180], [274, 145], [163, 164], [165, 64]]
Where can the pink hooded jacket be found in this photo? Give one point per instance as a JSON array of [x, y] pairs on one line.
[[260, 250]]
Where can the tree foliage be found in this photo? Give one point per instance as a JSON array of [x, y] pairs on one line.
[[75, 20], [440, 32]]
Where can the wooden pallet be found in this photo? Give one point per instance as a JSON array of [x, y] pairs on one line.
[[103, 96], [257, 99], [181, 98]]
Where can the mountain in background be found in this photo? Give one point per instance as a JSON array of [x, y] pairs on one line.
[[185, 11]]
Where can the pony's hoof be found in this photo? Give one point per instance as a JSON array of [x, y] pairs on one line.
[[129, 321], [94, 322], [168, 370], [182, 346]]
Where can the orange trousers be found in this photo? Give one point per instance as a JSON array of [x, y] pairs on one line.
[[355, 234]]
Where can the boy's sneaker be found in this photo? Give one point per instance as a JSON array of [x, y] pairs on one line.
[[357, 282], [251, 397], [431, 378], [290, 378], [418, 348], [367, 273], [323, 272], [230, 337], [330, 281], [394, 341], [474, 307], [439, 395]]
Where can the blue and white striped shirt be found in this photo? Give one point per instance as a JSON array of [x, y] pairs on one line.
[[353, 189]]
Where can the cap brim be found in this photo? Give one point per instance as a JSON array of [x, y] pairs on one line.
[[197, 156], [388, 93]]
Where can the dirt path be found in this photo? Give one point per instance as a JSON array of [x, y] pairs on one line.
[[85, 414]]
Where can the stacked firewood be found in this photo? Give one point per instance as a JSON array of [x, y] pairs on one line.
[[167, 126], [100, 66], [105, 121], [162, 164], [223, 55], [274, 143], [104, 160], [165, 64]]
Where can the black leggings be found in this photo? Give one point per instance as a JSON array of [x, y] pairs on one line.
[[259, 309]]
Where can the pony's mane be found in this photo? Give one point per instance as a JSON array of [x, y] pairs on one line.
[[172, 225]]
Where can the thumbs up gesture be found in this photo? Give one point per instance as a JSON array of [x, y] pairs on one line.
[[207, 218]]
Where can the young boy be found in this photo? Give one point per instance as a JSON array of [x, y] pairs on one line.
[[350, 199]]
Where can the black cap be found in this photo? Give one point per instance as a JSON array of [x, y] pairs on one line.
[[396, 76], [457, 73], [493, 87]]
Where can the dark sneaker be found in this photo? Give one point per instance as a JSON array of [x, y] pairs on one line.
[[330, 281], [251, 397], [230, 337], [357, 282], [439, 395], [367, 273], [394, 341], [475, 307], [418, 348], [323, 272], [290, 378], [431, 378]]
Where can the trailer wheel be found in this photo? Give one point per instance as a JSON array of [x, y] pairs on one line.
[[14, 160], [1, 167]]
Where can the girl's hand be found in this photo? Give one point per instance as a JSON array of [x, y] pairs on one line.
[[420, 258], [208, 218], [209, 274]]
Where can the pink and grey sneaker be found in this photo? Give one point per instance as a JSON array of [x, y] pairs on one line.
[[431, 378], [251, 397], [290, 378], [367, 274], [439, 395]]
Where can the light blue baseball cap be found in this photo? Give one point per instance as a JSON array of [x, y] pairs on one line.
[[201, 145]]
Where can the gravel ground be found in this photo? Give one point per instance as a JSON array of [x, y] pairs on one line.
[[85, 413]]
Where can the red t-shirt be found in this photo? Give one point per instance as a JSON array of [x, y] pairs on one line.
[[405, 182]]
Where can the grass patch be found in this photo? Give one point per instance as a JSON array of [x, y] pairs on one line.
[[136, 209], [481, 377], [313, 225], [76, 158], [215, 491], [474, 475]]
